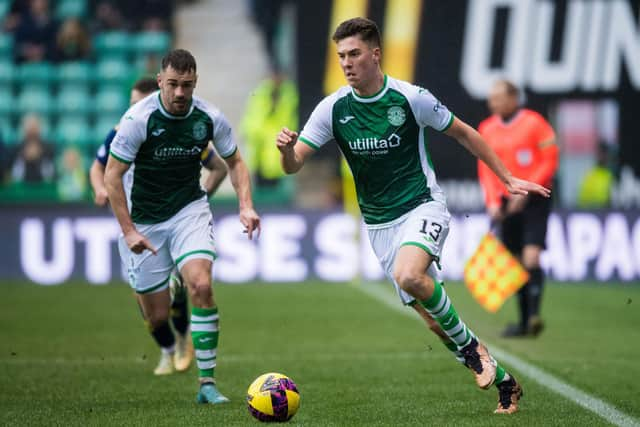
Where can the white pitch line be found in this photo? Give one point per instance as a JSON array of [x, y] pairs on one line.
[[556, 385]]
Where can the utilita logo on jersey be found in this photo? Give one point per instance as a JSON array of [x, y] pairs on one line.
[[598, 38], [374, 146], [164, 153]]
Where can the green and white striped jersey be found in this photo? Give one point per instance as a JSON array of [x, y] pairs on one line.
[[384, 140], [167, 150]]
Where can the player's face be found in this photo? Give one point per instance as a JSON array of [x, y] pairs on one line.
[[176, 89], [360, 63], [500, 102]]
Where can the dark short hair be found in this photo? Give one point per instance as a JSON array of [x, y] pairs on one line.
[[180, 60], [365, 28], [146, 85]]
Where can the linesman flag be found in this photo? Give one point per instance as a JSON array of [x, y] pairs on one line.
[[493, 274]]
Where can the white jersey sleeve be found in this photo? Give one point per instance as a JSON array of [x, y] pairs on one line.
[[223, 139], [319, 129], [132, 132], [429, 111]]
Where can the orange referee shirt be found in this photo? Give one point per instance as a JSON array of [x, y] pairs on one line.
[[526, 145]]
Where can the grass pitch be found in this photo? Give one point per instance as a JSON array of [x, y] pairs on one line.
[[79, 355]]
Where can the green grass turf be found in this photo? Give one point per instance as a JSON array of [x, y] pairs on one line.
[[79, 355]]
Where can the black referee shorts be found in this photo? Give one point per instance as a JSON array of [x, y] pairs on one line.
[[527, 227]]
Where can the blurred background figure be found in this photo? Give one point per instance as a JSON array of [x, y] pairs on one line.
[[34, 160], [35, 33], [525, 142], [266, 16], [72, 179], [272, 105], [597, 184], [72, 41]]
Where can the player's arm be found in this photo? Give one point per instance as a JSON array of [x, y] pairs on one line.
[[217, 173], [96, 177], [292, 154], [114, 172], [239, 175], [473, 141]]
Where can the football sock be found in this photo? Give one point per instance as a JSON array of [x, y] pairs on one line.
[[454, 349], [180, 313], [204, 333], [536, 284], [501, 375], [163, 336], [442, 310]]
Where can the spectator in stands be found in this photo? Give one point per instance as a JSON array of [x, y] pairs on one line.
[[72, 181], [595, 189], [108, 17], [35, 34], [34, 160], [273, 104], [19, 8], [72, 42]]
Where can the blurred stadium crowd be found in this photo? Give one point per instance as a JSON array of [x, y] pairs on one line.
[[66, 68]]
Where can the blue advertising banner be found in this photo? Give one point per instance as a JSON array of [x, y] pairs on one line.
[[50, 246]]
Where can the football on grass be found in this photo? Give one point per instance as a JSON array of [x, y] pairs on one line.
[[273, 397]]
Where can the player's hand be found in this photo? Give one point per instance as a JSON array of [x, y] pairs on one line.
[[101, 197], [138, 243], [521, 187], [251, 221], [286, 139], [516, 204]]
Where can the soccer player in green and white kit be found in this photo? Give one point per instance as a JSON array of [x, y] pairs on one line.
[[170, 222], [176, 351], [380, 125]]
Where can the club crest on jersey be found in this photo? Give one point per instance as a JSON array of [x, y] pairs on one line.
[[199, 131], [396, 115]]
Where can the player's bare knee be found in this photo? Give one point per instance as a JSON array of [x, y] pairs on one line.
[[201, 289], [409, 280]]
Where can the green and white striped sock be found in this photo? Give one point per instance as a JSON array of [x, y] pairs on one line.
[[204, 333], [441, 309]]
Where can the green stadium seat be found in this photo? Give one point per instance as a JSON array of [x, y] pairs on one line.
[[74, 100], [111, 101], [71, 9], [157, 42], [103, 126], [5, 6], [34, 99], [6, 107], [7, 73], [110, 43], [36, 72], [73, 131], [6, 45], [75, 72], [114, 71], [8, 132]]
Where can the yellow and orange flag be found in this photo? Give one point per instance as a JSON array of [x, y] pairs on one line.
[[493, 274]]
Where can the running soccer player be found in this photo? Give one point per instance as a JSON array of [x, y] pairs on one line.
[[176, 351], [170, 222], [380, 125], [525, 142]]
